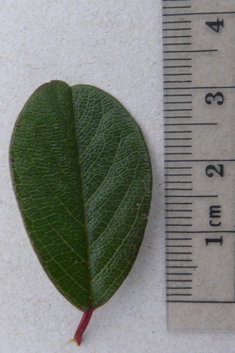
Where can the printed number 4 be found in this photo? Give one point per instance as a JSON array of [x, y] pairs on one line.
[[215, 25]]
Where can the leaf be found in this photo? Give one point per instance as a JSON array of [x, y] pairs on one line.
[[82, 177]]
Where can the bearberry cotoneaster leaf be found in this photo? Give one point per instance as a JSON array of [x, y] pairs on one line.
[[82, 177]]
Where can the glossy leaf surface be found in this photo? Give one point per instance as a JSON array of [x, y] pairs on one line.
[[82, 178]]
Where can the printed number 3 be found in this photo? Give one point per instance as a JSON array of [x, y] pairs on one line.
[[208, 97]]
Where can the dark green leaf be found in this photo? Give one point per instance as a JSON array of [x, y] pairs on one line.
[[82, 178]]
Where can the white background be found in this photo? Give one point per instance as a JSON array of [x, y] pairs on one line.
[[116, 46]]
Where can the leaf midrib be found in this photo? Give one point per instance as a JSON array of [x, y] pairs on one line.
[[83, 203]]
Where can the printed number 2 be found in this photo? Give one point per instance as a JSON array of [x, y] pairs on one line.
[[215, 25], [219, 169]]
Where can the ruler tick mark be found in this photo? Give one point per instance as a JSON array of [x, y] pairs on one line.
[[181, 295], [181, 239], [178, 175], [166, 44], [178, 139], [177, 29], [190, 51], [180, 74], [193, 196], [179, 274], [178, 146], [178, 210], [179, 246], [176, 7], [184, 81], [178, 225], [178, 117], [179, 280], [178, 182], [175, 22], [184, 253], [182, 36], [177, 154], [177, 59], [177, 189], [178, 287], [180, 110], [178, 67], [200, 13]]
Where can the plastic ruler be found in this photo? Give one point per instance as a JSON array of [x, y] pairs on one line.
[[199, 136]]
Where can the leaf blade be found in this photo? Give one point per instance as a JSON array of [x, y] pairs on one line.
[[91, 166]]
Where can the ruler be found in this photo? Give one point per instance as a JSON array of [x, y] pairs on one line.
[[199, 136]]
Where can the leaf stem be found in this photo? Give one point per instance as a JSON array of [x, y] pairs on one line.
[[82, 326]]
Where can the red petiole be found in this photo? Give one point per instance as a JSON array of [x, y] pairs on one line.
[[82, 326]]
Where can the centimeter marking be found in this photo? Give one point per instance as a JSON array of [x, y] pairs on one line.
[[180, 89]]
